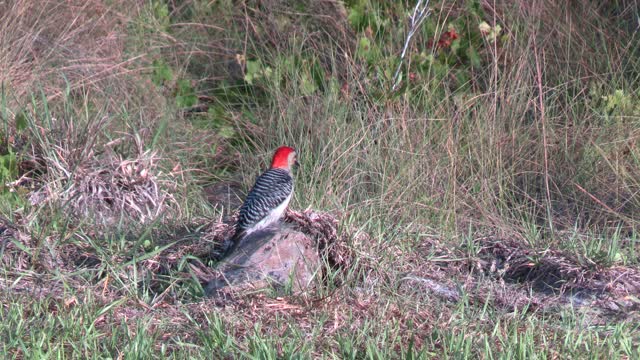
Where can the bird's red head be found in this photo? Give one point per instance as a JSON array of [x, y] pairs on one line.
[[284, 158]]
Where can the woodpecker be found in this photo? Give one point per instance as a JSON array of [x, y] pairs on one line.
[[268, 199]]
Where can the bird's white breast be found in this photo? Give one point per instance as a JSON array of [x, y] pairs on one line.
[[272, 217]]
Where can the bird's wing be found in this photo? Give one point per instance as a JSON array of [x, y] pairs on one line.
[[270, 190]]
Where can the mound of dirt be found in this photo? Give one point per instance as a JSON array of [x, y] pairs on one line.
[[279, 256], [294, 254]]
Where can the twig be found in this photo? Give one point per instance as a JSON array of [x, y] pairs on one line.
[[420, 13]]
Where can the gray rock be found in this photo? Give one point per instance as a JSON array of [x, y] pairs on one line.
[[279, 256]]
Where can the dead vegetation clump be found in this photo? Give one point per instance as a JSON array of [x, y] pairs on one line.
[[334, 246], [555, 271], [514, 276], [72, 169]]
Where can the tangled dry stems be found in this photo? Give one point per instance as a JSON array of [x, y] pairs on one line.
[[106, 187], [554, 270]]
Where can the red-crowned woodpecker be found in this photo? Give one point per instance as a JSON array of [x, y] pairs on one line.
[[268, 199]]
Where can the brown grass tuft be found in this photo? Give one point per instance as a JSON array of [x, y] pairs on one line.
[[93, 181]]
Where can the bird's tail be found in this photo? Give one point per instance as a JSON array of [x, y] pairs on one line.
[[232, 243]]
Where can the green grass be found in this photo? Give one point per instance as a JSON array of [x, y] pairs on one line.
[[114, 125]]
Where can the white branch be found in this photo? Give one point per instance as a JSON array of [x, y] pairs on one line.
[[420, 13]]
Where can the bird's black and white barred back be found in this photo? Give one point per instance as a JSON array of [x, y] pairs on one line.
[[272, 191], [267, 200]]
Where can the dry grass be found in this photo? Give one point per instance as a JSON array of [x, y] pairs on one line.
[[53, 45]]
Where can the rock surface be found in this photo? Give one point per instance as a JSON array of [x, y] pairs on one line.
[[280, 256]]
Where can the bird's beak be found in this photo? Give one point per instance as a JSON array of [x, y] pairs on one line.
[[296, 164]]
